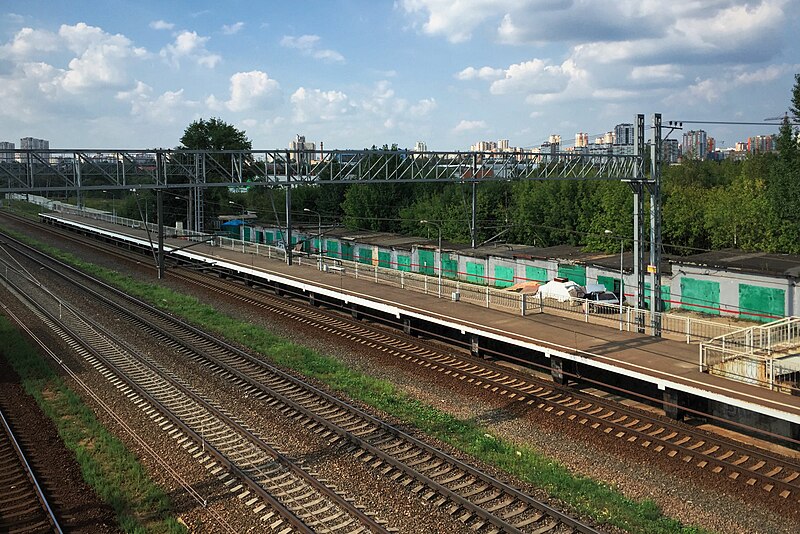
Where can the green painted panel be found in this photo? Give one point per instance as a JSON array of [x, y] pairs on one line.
[[666, 295], [700, 295], [609, 282], [365, 255], [384, 259], [576, 273], [347, 251], [425, 261], [269, 238], [403, 263], [475, 273], [332, 248], [756, 302], [503, 276], [538, 274], [316, 244], [449, 266]]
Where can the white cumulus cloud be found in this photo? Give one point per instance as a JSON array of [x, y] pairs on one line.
[[161, 25], [483, 73], [230, 29], [468, 126], [315, 105], [27, 42], [189, 45], [249, 89], [308, 45]]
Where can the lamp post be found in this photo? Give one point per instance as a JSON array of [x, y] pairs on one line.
[[319, 234], [187, 211], [438, 227], [621, 284]]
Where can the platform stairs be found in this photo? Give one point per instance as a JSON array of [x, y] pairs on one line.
[[767, 355]]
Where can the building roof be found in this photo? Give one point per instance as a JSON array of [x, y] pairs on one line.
[[751, 262]]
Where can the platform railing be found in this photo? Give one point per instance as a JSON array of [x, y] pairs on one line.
[[673, 326], [753, 355]]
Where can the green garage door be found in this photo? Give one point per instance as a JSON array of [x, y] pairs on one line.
[[535, 274], [503, 276], [347, 251], [403, 263], [365, 255], [666, 295], [700, 295], [609, 282], [475, 273], [384, 259], [449, 266], [332, 248], [425, 261], [761, 303], [247, 233], [576, 273]]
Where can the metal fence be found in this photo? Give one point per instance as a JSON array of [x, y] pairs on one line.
[[673, 325], [763, 355]]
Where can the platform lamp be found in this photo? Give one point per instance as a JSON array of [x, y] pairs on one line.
[[621, 283], [319, 233], [438, 227]]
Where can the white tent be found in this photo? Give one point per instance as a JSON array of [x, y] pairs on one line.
[[561, 291]]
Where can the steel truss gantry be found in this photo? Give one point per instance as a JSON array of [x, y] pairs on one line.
[[31, 171], [81, 170]]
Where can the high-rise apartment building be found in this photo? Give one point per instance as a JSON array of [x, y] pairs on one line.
[[623, 134], [761, 144], [420, 146], [581, 140], [31, 143], [695, 144], [6, 156], [670, 151], [484, 146]]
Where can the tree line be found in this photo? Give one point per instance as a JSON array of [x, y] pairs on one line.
[[752, 204]]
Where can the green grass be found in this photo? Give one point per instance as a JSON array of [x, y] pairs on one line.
[[107, 466], [581, 494]]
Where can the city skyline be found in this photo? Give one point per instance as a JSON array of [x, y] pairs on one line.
[[353, 74]]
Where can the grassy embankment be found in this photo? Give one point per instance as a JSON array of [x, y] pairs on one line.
[[107, 466], [581, 494]]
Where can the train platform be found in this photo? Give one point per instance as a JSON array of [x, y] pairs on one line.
[[574, 351]]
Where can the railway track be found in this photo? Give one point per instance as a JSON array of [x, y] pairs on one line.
[[478, 500], [23, 504], [731, 460], [286, 496]]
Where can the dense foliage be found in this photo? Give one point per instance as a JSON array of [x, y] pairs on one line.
[[752, 204]]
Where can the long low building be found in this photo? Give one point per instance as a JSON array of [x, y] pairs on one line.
[[750, 286]]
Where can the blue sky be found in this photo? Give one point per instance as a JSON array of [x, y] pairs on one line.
[[353, 73]]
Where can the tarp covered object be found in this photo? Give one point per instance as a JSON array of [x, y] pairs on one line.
[[561, 291]]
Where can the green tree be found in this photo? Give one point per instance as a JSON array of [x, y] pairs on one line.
[[784, 181], [214, 134]]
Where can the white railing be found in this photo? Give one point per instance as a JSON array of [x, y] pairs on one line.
[[673, 326], [757, 355]]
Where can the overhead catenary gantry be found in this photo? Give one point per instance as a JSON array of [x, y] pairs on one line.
[[81, 170]]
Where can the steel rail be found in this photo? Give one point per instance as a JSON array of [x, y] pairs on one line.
[[340, 431], [43, 503], [288, 515]]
